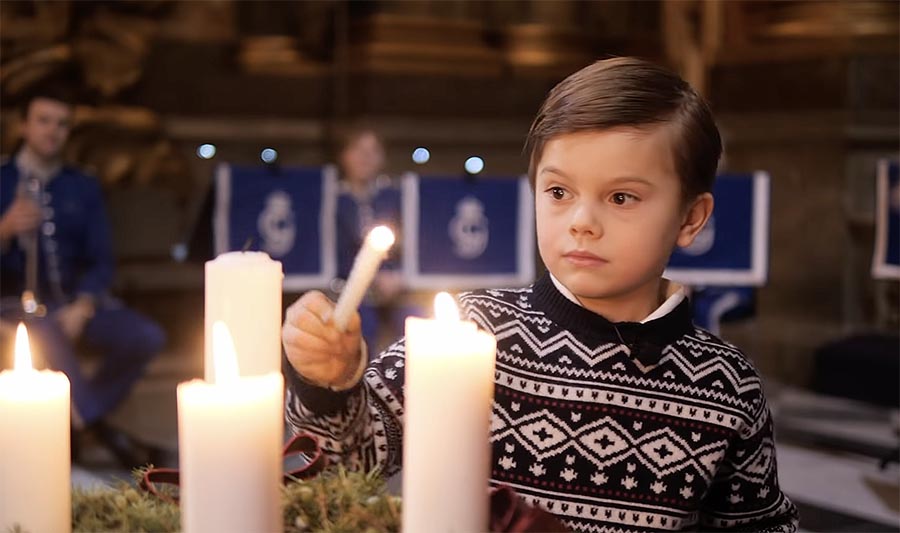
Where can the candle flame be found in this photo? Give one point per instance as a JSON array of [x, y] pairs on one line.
[[381, 238], [224, 356], [445, 307], [23, 350]]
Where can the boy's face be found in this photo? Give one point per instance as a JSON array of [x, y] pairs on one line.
[[609, 213], [46, 127]]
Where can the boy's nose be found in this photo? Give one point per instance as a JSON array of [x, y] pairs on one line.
[[585, 223]]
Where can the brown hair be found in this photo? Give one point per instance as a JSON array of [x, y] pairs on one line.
[[60, 94], [346, 134], [627, 91]]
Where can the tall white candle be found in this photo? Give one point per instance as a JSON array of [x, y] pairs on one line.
[[35, 463], [365, 266], [243, 290], [229, 445], [446, 450]]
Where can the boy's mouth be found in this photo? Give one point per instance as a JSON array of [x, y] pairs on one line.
[[584, 258]]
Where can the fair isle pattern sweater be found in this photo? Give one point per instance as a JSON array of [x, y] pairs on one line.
[[619, 428]]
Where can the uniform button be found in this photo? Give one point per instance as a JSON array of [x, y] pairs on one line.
[[48, 212], [49, 228], [47, 197]]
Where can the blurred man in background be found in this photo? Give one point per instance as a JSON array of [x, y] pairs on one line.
[[56, 268], [369, 198]]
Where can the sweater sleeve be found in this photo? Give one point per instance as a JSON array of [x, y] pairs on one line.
[[361, 427], [745, 496]]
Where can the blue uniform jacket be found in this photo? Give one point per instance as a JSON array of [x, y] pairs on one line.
[[355, 219], [76, 244]]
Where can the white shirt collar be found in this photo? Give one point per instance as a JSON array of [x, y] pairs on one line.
[[676, 297], [30, 167]]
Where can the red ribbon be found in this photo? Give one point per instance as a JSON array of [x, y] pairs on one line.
[[302, 444], [508, 512]]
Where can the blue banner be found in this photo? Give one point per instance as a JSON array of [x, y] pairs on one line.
[[460, 234], [732, 249], [288, 213], [886, 259]]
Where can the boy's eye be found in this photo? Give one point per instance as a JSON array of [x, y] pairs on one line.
[[622, 198], [558, 193]]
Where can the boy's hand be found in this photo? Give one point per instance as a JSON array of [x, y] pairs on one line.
[[315, 348]]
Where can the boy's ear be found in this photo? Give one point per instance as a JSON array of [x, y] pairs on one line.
[[695, 217]]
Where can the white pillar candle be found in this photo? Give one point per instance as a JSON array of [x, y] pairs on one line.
[[365, 266], [229, 444], [449, 392], [35, 463], [243, 290]]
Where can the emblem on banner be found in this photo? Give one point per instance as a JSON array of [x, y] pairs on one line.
[[704, 240], [469, 229], [276, 225]]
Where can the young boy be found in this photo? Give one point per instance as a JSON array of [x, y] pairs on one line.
[[611, 410]]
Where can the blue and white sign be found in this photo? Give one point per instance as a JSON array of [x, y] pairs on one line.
[[733, 248], [886, 259], [288, 213], [463, 235]]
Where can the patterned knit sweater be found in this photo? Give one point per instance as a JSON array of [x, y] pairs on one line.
[[622, 427]]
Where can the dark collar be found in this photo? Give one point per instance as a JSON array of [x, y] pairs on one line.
[[645, 341]]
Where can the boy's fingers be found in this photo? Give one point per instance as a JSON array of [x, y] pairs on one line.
[[312, 300], [318, 304], [311, 322], [307, 342], [353, 325]]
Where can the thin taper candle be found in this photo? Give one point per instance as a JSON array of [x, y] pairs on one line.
[[366, 264]]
